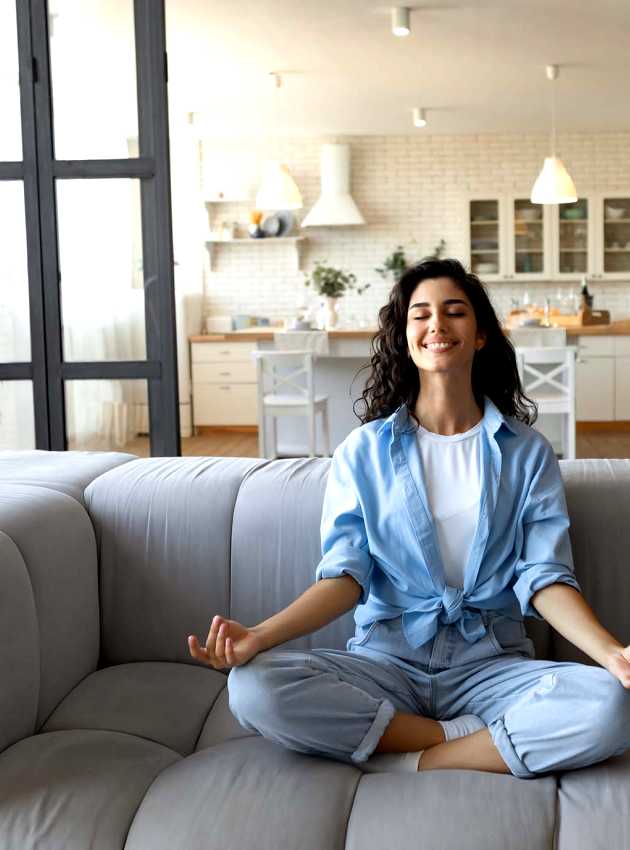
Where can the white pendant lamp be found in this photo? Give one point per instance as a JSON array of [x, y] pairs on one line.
[[554, 184], [278, 190]]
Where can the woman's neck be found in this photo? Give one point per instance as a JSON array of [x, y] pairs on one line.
[[445, 406]]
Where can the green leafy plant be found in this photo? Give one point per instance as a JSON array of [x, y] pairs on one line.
[[396, 265], [332, 282]]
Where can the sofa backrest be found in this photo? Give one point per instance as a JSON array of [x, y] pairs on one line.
[[598, 499], [182, 539], [49, 619], [49, 612]]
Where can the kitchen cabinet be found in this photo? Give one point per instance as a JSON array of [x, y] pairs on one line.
[[509, 238], [602, 380], [223, 383]]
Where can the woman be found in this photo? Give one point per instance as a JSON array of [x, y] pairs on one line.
[[445, 523]]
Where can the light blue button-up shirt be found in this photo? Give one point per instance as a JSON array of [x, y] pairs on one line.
[[377, 527]]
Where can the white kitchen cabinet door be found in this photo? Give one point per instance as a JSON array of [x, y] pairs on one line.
[[573, 230], [528, 239], [485, 237], [622, 388], [224, 404], [595, 389], [612, 235]]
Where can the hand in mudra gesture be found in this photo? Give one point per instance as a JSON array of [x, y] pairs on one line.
[[229, 644]]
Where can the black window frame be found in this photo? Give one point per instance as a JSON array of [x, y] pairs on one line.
[[39, 171]]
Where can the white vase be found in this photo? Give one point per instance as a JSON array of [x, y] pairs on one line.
[[330, 312]]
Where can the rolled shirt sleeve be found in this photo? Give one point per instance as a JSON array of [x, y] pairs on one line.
[[343, 534], [546, 556]]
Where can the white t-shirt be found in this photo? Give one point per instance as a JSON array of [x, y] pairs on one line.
[[453, 481]]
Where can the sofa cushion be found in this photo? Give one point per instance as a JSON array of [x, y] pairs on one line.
[[55, 539], [276, 545], [220, 724], [594, 806], [163, 702], [246, 794], [453, 809], [75, 790], [19, 647], [598, 499], [68, 472], [164, 528]]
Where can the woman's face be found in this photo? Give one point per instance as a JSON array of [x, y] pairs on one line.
[[441, 326]]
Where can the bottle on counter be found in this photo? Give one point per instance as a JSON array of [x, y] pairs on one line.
[[585, 296]]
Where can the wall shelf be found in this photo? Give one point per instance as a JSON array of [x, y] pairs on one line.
[[295, 241]]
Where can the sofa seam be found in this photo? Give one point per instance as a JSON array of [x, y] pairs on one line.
[[351, 807], [209, 712], [248, 473]]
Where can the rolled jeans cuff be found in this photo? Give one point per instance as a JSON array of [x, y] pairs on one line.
[[374, 734], [506, 749]]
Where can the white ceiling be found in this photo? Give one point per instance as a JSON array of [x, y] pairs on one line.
[[477, 66]]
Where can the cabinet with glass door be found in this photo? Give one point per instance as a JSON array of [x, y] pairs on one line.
[[528, 239], [485, 238], [613, 236], [573, 237]]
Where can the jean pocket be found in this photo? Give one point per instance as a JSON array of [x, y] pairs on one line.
[[507, 634]]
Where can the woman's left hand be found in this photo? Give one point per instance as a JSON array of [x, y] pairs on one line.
[[619, 665]]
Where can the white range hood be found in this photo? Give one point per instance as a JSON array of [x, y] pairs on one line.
[[335, 206]]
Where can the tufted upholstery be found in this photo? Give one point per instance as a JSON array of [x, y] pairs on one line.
[[111, 736]]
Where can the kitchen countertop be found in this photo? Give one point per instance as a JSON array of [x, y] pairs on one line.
[[618, 328]]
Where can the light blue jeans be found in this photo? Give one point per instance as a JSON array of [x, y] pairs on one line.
[[542, 715]]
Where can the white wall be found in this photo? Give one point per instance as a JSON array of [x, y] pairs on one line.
[[410, 189]]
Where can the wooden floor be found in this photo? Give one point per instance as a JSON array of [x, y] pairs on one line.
[[610, 444]]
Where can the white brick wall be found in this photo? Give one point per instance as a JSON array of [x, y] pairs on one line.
[[410, 189]]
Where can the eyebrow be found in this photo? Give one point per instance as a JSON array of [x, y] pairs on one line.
[[448, 301]]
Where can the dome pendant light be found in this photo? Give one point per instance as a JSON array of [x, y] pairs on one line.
[[554, 184], [278, 190]]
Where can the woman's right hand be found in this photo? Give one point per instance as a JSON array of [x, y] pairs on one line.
[[229, 644]]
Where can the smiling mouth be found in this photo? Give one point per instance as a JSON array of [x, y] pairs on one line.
[[439, 346]]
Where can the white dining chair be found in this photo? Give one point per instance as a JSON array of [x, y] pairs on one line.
[[548, 377], [292, 394]]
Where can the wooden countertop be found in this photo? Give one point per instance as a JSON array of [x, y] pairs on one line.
[[618, 328]]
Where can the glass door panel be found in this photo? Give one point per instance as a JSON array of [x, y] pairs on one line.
[[484, 237], [11, 135], [104, 415], [100, 259], [529, 241], [616, 235], [93, 78], [573, 224], [17, 420], [15, 332]]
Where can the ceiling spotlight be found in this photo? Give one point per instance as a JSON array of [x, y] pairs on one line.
[[419, 119], [401, 24]]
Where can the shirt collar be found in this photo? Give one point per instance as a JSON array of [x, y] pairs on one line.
[[401, 421]]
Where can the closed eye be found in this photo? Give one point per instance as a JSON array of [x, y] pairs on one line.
[[448, 314]]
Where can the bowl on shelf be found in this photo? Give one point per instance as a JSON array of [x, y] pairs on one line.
[[615, 212], [528, 214], [572, 214], [486, 268]]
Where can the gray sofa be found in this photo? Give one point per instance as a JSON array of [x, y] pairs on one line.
[[112, 737]]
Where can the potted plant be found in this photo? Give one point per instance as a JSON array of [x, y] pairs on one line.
[[331, 283], [396, 263]]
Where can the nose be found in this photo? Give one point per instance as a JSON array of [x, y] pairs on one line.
[[437, 324]]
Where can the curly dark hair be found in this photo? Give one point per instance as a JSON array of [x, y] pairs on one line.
[[395, 379]]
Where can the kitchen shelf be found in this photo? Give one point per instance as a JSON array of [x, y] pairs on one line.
[[275, 240], [617, 221]]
